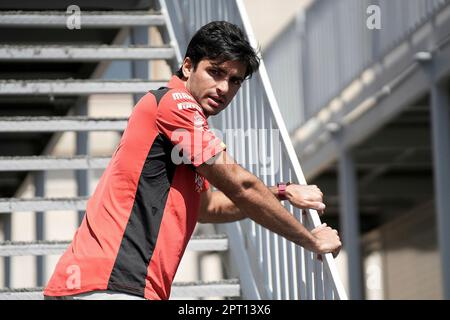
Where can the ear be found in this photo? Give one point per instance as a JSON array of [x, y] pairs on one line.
[[187, 67]]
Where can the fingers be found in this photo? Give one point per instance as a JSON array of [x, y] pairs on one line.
[[308, 197], [336, 252], [338, 249], [328, 238], [320, 228], [315, 205]]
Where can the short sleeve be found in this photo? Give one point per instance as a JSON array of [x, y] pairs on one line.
[[181, 120]]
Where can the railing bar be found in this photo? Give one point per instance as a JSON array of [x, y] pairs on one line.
[[228, 130], [284, 283], [267, 270], [250, 142], [291, 265], [197, 20], [225, 11], [205, 13], [243, 143], [274, 238], [309, 270], [282, 243], [328, 287], [301, 263], [243, 115], [311, 275], [257, 103], [318, 279], [334, 295], [192, 17], [235, 129], [209, 10]]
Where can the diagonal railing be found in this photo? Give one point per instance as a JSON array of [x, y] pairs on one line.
[[269, 266]]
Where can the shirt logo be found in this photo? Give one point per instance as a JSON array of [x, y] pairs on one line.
[[182, 96], [187, 105]]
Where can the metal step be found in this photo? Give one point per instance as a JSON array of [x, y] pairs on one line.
[[198, 289], [83, 53], [60, 124], [39, 163], [8, 205], [88, 19], [216, 242], [77, 87]]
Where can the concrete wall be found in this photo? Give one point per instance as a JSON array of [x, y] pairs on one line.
[[402, 258]]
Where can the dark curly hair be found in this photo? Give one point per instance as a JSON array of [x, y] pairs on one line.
[[221, 41]]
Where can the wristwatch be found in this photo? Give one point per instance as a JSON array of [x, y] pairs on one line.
[[282, 190]]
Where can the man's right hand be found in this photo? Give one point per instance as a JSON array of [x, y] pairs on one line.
[[327, 240]]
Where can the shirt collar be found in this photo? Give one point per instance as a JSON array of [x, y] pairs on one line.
[[176, 83]]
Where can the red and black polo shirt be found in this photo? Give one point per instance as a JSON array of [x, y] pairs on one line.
[[143, 212]]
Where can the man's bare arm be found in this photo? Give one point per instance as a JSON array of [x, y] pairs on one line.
[[216, 207], [258, 203]]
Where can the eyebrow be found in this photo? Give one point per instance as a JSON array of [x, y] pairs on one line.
[[224, 71]]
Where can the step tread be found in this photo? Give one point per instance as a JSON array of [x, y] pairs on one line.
[[195, 289], [63, 242], [83, 53]]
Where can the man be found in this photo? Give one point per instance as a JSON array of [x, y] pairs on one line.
[[156, 187]]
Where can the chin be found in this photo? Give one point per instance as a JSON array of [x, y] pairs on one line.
[[209, 111], [215, 112]]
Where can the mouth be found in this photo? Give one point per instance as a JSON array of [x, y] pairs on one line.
[[215, 102]]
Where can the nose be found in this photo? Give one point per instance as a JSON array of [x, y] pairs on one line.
[[222, 87]]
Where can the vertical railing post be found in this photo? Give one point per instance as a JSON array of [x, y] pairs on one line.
[[7, 260], [349, 218], [83, 177], [440, 131], [39, 185], [139, 69], [440, 126], [300, 25]]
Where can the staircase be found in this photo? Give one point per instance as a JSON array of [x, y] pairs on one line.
[[44, 94], [22, 95]]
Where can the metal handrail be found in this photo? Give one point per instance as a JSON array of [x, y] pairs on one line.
[[279, 270]]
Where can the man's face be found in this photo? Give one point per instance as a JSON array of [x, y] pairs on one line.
[[213, 85]]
